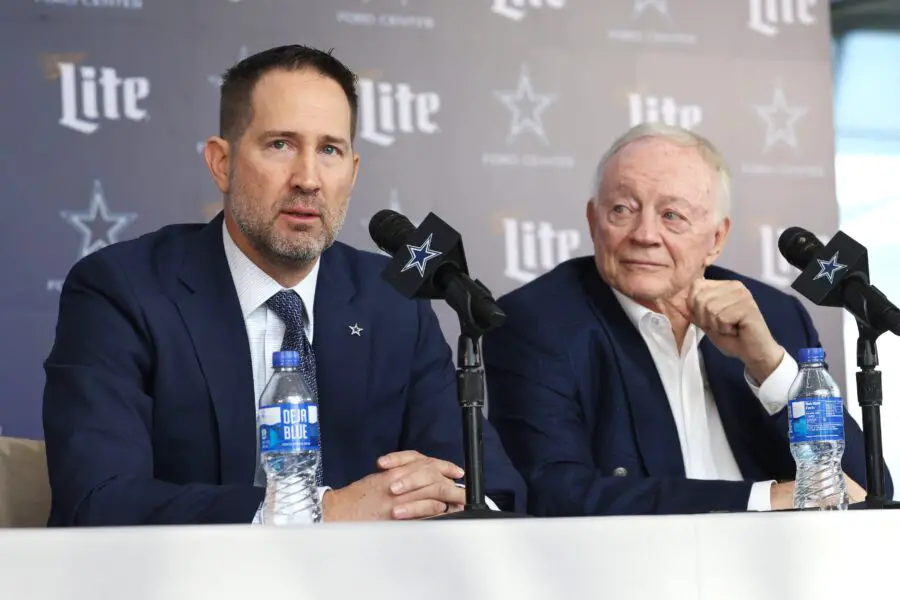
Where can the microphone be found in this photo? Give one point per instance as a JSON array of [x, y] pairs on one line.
[[428, 261], [837, 274]]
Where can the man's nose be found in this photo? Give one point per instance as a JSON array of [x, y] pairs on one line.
[[647, 230], [306, 176]]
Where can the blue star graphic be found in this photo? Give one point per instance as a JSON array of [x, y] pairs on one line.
[[98, 226], [828, 268], [420, 255]]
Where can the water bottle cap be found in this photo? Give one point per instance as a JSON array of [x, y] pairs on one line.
[[812, 355], [285, 358]]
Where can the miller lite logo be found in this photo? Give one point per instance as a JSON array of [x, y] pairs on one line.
[[91, 94], [515, 10], [533, 248], [645, 108], [390, 109], [766, 15]]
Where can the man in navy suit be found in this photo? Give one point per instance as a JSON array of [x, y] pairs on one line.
[[164, 343], [643, 379]]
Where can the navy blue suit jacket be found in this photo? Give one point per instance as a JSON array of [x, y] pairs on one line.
[[149, 411], [575, 395]]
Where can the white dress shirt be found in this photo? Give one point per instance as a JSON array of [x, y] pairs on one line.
[[265, 330], [704, 447]]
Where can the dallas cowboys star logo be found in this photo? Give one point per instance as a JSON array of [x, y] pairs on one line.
[[827, 268], [780, 120], [526, 107], [355, 329], [420, 255], [94, 223]]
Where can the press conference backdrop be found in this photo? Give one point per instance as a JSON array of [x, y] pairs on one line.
[[491, 113]]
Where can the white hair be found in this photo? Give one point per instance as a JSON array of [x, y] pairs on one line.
[[680, 137]]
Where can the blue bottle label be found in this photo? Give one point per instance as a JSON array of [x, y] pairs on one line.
[[816, 420], [289, 427]]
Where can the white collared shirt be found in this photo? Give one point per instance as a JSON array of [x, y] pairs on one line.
[[704, 447], [265, 330]]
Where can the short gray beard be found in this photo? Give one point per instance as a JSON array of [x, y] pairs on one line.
[[277, 249]]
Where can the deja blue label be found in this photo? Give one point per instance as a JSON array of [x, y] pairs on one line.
[[816, 420], [289, 427]]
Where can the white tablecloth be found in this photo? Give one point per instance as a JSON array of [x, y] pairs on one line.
[[710, 557]]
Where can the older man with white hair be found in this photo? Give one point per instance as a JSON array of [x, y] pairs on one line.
[[644, 379]]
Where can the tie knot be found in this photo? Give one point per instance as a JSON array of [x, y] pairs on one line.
[[288, 305]]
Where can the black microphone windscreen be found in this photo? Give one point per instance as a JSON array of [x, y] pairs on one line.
[[798, 246], [389, 230]]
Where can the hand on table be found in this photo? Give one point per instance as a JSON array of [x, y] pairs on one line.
[[408, 486]]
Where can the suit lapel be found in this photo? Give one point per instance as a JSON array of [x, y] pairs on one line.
[[212, 314], [342, 358], [654, 425]]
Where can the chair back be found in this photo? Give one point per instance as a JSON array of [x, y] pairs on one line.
[[24, 484]]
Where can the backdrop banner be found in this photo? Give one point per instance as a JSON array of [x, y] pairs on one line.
[[490, 113]]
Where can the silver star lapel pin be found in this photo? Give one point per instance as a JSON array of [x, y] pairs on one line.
[[355, 329]]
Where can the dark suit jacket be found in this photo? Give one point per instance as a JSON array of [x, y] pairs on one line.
[[149, 411], [575, 395]]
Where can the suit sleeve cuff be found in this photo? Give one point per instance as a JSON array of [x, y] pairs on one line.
[[760, 496], [773, 392]]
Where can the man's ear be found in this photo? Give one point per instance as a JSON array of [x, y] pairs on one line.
[[591, 215], [721, 235], [355, 169], [217, 154]]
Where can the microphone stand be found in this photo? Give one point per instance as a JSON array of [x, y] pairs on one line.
[[868, 392], [462, 295]]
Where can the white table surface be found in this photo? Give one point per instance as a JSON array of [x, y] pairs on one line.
[[754, 556]]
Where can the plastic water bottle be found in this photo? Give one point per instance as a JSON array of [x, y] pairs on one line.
[[816, 417], [289, 445]]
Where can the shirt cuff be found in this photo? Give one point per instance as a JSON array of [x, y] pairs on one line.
[[321, 492], [257, 518], [760, 496], [773, 392]]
